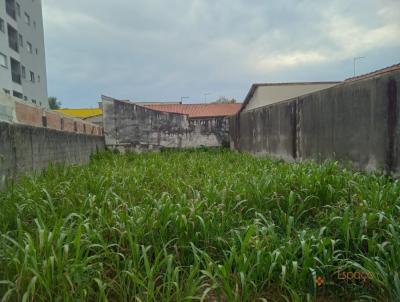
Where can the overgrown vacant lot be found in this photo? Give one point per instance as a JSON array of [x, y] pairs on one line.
[[211, 225]]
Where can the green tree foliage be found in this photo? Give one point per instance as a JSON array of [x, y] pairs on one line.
[[224, 100], [54, 103]]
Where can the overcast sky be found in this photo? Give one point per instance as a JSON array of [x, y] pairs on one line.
[[158, 50]]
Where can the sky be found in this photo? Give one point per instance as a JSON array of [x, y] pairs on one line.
[[157, 50]]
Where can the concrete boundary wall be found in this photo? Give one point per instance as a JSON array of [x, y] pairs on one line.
[[128, 126], [356, 122], [25, 148]]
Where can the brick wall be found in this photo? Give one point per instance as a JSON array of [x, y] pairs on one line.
[[53, 120], [29, 115], [38, 117], [68, 124]]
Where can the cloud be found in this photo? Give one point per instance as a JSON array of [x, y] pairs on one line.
[[162, 50], [292, 59]]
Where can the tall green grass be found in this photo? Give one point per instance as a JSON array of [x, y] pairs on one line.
[[199, 226]]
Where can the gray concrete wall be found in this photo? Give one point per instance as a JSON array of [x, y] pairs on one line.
[[133, 127], [25, 148], [355, 122]]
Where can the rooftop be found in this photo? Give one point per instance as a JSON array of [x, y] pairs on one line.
[[374, 73], [199, 110], [81, 112], [254, 87]]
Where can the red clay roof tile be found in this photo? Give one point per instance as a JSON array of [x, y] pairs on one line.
[[198, 110]]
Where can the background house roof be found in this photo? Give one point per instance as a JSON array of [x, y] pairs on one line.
[[192, 110], [254, 87], [199, 110], [81, 112], [374, 73]]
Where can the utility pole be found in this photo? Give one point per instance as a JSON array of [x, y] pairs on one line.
[[354, 63], [205, 96]]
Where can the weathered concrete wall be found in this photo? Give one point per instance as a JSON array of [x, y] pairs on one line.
[[7, 108], [355, 122], [211, 132], [133, 127], [26, 148]]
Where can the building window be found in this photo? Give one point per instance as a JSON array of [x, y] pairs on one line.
[[12, 37], [15, 71], [6, 91], [34, 24], [33, 101], [18, 9], [32, 77], [3, 60], [10, 9], [38, 78], [18, 95], [21, 41], [27, 19], [23, 72], [29, 47], [2, 26]]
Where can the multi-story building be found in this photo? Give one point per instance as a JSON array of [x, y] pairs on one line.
[[22, 53]]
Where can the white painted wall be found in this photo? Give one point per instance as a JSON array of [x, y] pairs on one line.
[[32, 61], [273, 93]]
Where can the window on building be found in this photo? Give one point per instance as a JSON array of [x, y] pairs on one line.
[[27, 19], [23, 71], [18, 95], [18, 9], [34, 24], [2, 26], [6, 91], [21, 41], [12, 37], [15, 71], [29, 47], [32, 76], [3, 60], [33, 101], [38, 78], [10, 9]]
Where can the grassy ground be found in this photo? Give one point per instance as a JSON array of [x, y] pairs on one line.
[[200, 225]]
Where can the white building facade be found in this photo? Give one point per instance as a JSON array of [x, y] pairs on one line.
[[22, 52]]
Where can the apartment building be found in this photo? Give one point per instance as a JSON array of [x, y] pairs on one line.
[[22, 53]]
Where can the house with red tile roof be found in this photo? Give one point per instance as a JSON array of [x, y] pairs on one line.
[[143, 126], [199, 110]]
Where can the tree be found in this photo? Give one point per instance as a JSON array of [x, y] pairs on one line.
[[54, 103], [224, 100]]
